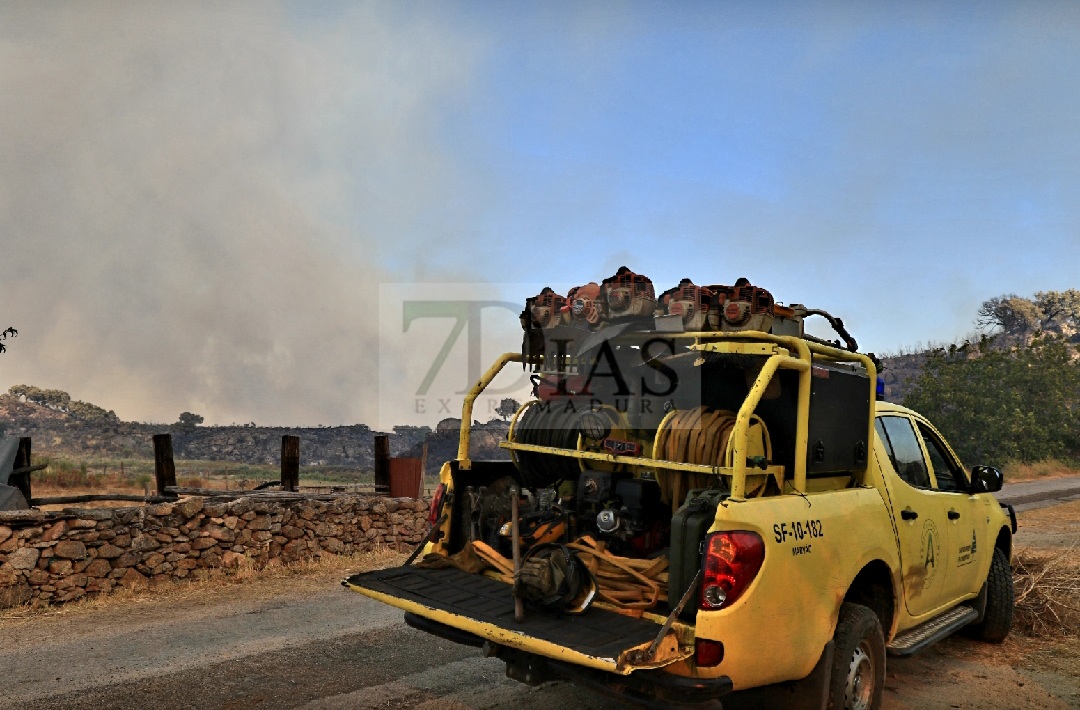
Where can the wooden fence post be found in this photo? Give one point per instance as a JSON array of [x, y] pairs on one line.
[[382, 465], [290, 463], [164, 467], [22, 460]]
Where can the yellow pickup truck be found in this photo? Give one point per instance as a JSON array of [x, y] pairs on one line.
[[719, 511]]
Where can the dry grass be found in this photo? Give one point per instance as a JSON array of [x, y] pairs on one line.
[[1051, 468], [1047, 593], [310, 573]]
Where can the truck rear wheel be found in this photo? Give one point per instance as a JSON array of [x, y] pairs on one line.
[[997, 621], [858, 670]]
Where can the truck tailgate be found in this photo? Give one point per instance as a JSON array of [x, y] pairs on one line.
[[598, 638]]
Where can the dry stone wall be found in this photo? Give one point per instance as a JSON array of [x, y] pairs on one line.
[[48, 558]]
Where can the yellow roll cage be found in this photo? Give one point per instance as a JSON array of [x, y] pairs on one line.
[[782, 352]]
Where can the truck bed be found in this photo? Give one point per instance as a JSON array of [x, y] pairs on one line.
[[598, 633]]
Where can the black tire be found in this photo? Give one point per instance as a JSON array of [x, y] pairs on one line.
[[857, 678], [997, 621]]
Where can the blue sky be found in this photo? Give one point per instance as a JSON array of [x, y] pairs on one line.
[[201, 200]]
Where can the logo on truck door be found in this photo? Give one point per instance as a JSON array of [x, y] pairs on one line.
[[931, 552], [967, 552]]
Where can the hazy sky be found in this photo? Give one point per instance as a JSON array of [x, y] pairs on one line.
[[200, 200]]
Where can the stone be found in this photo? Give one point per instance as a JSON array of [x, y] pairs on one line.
[[9, 545], [70, 549], [109, 552], [233, 560], [259, 522], [24, 558], [187, 563], [61, 567], [81, 565], [210, 559], [189, 507], [15, 595], [99, 585], [250, 515], [134, 580], [214, 510], [332, 544], [292, 532], [71, 595], [98, 568], [182, 547], [142, 543], [128, 559], [231, 521], [54, 531], [203, 543], [5, 532], [161, 509], [261, 536], [122, 539], [325, 530], [365, 522], [221, 534], [38, 577], [153, 559], [8, 576]]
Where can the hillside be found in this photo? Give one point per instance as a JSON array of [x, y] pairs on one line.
[[66, 433]]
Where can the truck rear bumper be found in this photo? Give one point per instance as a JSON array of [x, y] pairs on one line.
[[653, 687]]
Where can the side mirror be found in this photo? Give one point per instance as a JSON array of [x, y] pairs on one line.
[[985, 479]]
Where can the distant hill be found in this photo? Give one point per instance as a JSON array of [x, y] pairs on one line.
[[59, 428]]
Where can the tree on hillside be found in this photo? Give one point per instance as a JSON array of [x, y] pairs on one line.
[[1011, 313], [998, 405], [1059, 307], [1020, 317], [57, 400], [507, 407], [188, 421]]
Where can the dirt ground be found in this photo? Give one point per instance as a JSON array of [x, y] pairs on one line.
[[293, 638]]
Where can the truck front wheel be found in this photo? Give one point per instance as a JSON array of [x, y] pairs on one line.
[[858, 670], [997, 621]]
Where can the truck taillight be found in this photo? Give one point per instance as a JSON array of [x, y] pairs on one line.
[[708, 653], [732, 560], [436, 504]]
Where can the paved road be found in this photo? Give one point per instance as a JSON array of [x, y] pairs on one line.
[[1039, 494]]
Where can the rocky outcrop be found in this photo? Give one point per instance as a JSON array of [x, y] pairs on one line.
[[48, 558]]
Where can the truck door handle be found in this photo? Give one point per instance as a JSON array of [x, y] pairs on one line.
[[908, 514], [953, 515]]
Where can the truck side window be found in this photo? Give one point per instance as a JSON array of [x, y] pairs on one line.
[[945, 471], [906, 453]]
